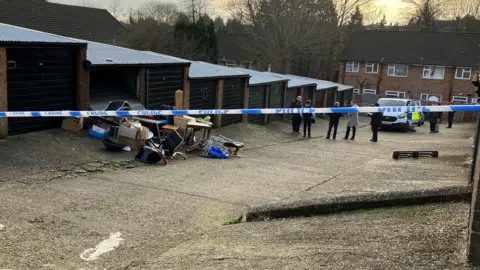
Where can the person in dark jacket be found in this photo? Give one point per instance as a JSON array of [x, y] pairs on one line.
[[433, 119], [308, 119], [450, 115], [333, 122], [440, 114], [297, 118], [376, 123]]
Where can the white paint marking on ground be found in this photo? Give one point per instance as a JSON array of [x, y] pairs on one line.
[[105, 246]]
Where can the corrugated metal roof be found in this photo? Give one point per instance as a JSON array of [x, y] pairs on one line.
[[103, 54], [258, 77], [321, 84], [10, 33], [294, 81], [200, 69]]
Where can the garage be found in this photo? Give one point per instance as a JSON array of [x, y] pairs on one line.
[[233, 99], [40, 75], [203, 94], [277, 95], [205, 82], [144, 79], [114, 84], [162, 82], [257, 97], [265, 91]]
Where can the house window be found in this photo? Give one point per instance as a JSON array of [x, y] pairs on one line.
[[398, 70], [356, 91], [371, 67], [430, 97], [394, 94], [353, 66], [459, 100], [463, 73], [369, 91], [433, 72]]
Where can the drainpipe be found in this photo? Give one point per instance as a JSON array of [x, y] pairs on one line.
[[379, 81], [452, 81]]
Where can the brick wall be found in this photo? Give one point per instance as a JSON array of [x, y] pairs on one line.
[[413, 83], [83, 81], [474, 230]]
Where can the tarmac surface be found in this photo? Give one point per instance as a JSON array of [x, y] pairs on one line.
[[63, 196]]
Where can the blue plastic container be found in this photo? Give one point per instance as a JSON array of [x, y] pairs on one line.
[[98, 135]]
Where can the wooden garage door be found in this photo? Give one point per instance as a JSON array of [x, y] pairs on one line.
[[276, 100], [256, 100], [162, 83], [232, 99], [40, 79], [203, 95]]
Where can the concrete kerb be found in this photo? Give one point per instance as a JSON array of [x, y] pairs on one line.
[[330, 205]]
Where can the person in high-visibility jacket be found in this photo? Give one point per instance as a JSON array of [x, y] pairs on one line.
[[414, 117]]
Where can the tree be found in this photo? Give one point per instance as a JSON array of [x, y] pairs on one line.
[[462, 8], [345, 7], [291, 33], [356, 19], [196, 8], [372, 13], [383, 22], [219, 24], [159, 11], [87, 3], [115, 7], [195, 40], [425, 12]]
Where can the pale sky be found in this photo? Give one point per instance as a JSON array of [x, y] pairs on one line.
[[393, 8]]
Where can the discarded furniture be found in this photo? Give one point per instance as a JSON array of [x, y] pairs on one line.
[[170, 145], [155, 125], [113, 146], [192, 127], [233, 148], [414, 154], [167, 129], [151, 155], [118, 106]]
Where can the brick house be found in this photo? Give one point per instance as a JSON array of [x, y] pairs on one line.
[[434, 67]]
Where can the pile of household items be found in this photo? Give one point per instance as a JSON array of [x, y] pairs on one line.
[[157, 138]]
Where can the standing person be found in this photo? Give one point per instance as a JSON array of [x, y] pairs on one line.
[[440, 114], [352, 122], [450, 118], [376, 123], [308, 119], [297, 118], [333, 122], [433, 119]]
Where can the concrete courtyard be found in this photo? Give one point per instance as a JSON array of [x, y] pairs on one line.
[[62, 194]]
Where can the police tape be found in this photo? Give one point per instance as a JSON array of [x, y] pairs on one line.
[[409, 109]]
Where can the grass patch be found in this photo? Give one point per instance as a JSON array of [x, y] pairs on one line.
[[234, 221]]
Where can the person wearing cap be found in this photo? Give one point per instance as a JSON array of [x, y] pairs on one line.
[[376, 123], [297, 118]]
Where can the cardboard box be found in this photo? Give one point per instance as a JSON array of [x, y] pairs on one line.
[[130, 135], [182, 121], [73, 124]]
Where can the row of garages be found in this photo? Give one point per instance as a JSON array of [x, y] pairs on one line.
[[43, 72]]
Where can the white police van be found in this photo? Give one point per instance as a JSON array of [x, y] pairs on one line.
[[403, 121]]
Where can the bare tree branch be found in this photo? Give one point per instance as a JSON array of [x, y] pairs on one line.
[[115, 7]]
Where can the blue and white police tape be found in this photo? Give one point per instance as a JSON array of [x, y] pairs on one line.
[[424, 109]]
